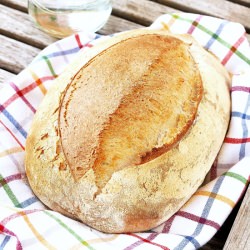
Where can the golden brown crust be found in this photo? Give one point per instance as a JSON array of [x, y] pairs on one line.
[[150, 91], [129, 131]]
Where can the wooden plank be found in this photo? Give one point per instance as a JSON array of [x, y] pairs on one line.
[[219, 8], [143, 11], [5, 76], [16, 4], [23, 30], [117, 24], [239, 237], [15, 55], [19, 54]]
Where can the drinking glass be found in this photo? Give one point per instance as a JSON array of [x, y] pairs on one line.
[[61, 18]]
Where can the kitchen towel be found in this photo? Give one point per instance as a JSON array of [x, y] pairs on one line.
[[25, 223]]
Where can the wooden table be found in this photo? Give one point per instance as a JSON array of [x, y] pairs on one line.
[[20, 42]]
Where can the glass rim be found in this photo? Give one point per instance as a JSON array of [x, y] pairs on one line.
[[78, 3]]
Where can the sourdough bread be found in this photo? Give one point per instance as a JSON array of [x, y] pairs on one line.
[[129, 131]]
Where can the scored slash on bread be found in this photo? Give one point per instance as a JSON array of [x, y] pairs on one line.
[[166, 99]]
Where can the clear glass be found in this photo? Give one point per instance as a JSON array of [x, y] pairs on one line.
[[61, 18]]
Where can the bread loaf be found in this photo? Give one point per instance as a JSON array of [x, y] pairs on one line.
[[129, 131]]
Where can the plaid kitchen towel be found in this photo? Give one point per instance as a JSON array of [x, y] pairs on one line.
[[25, 223]]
